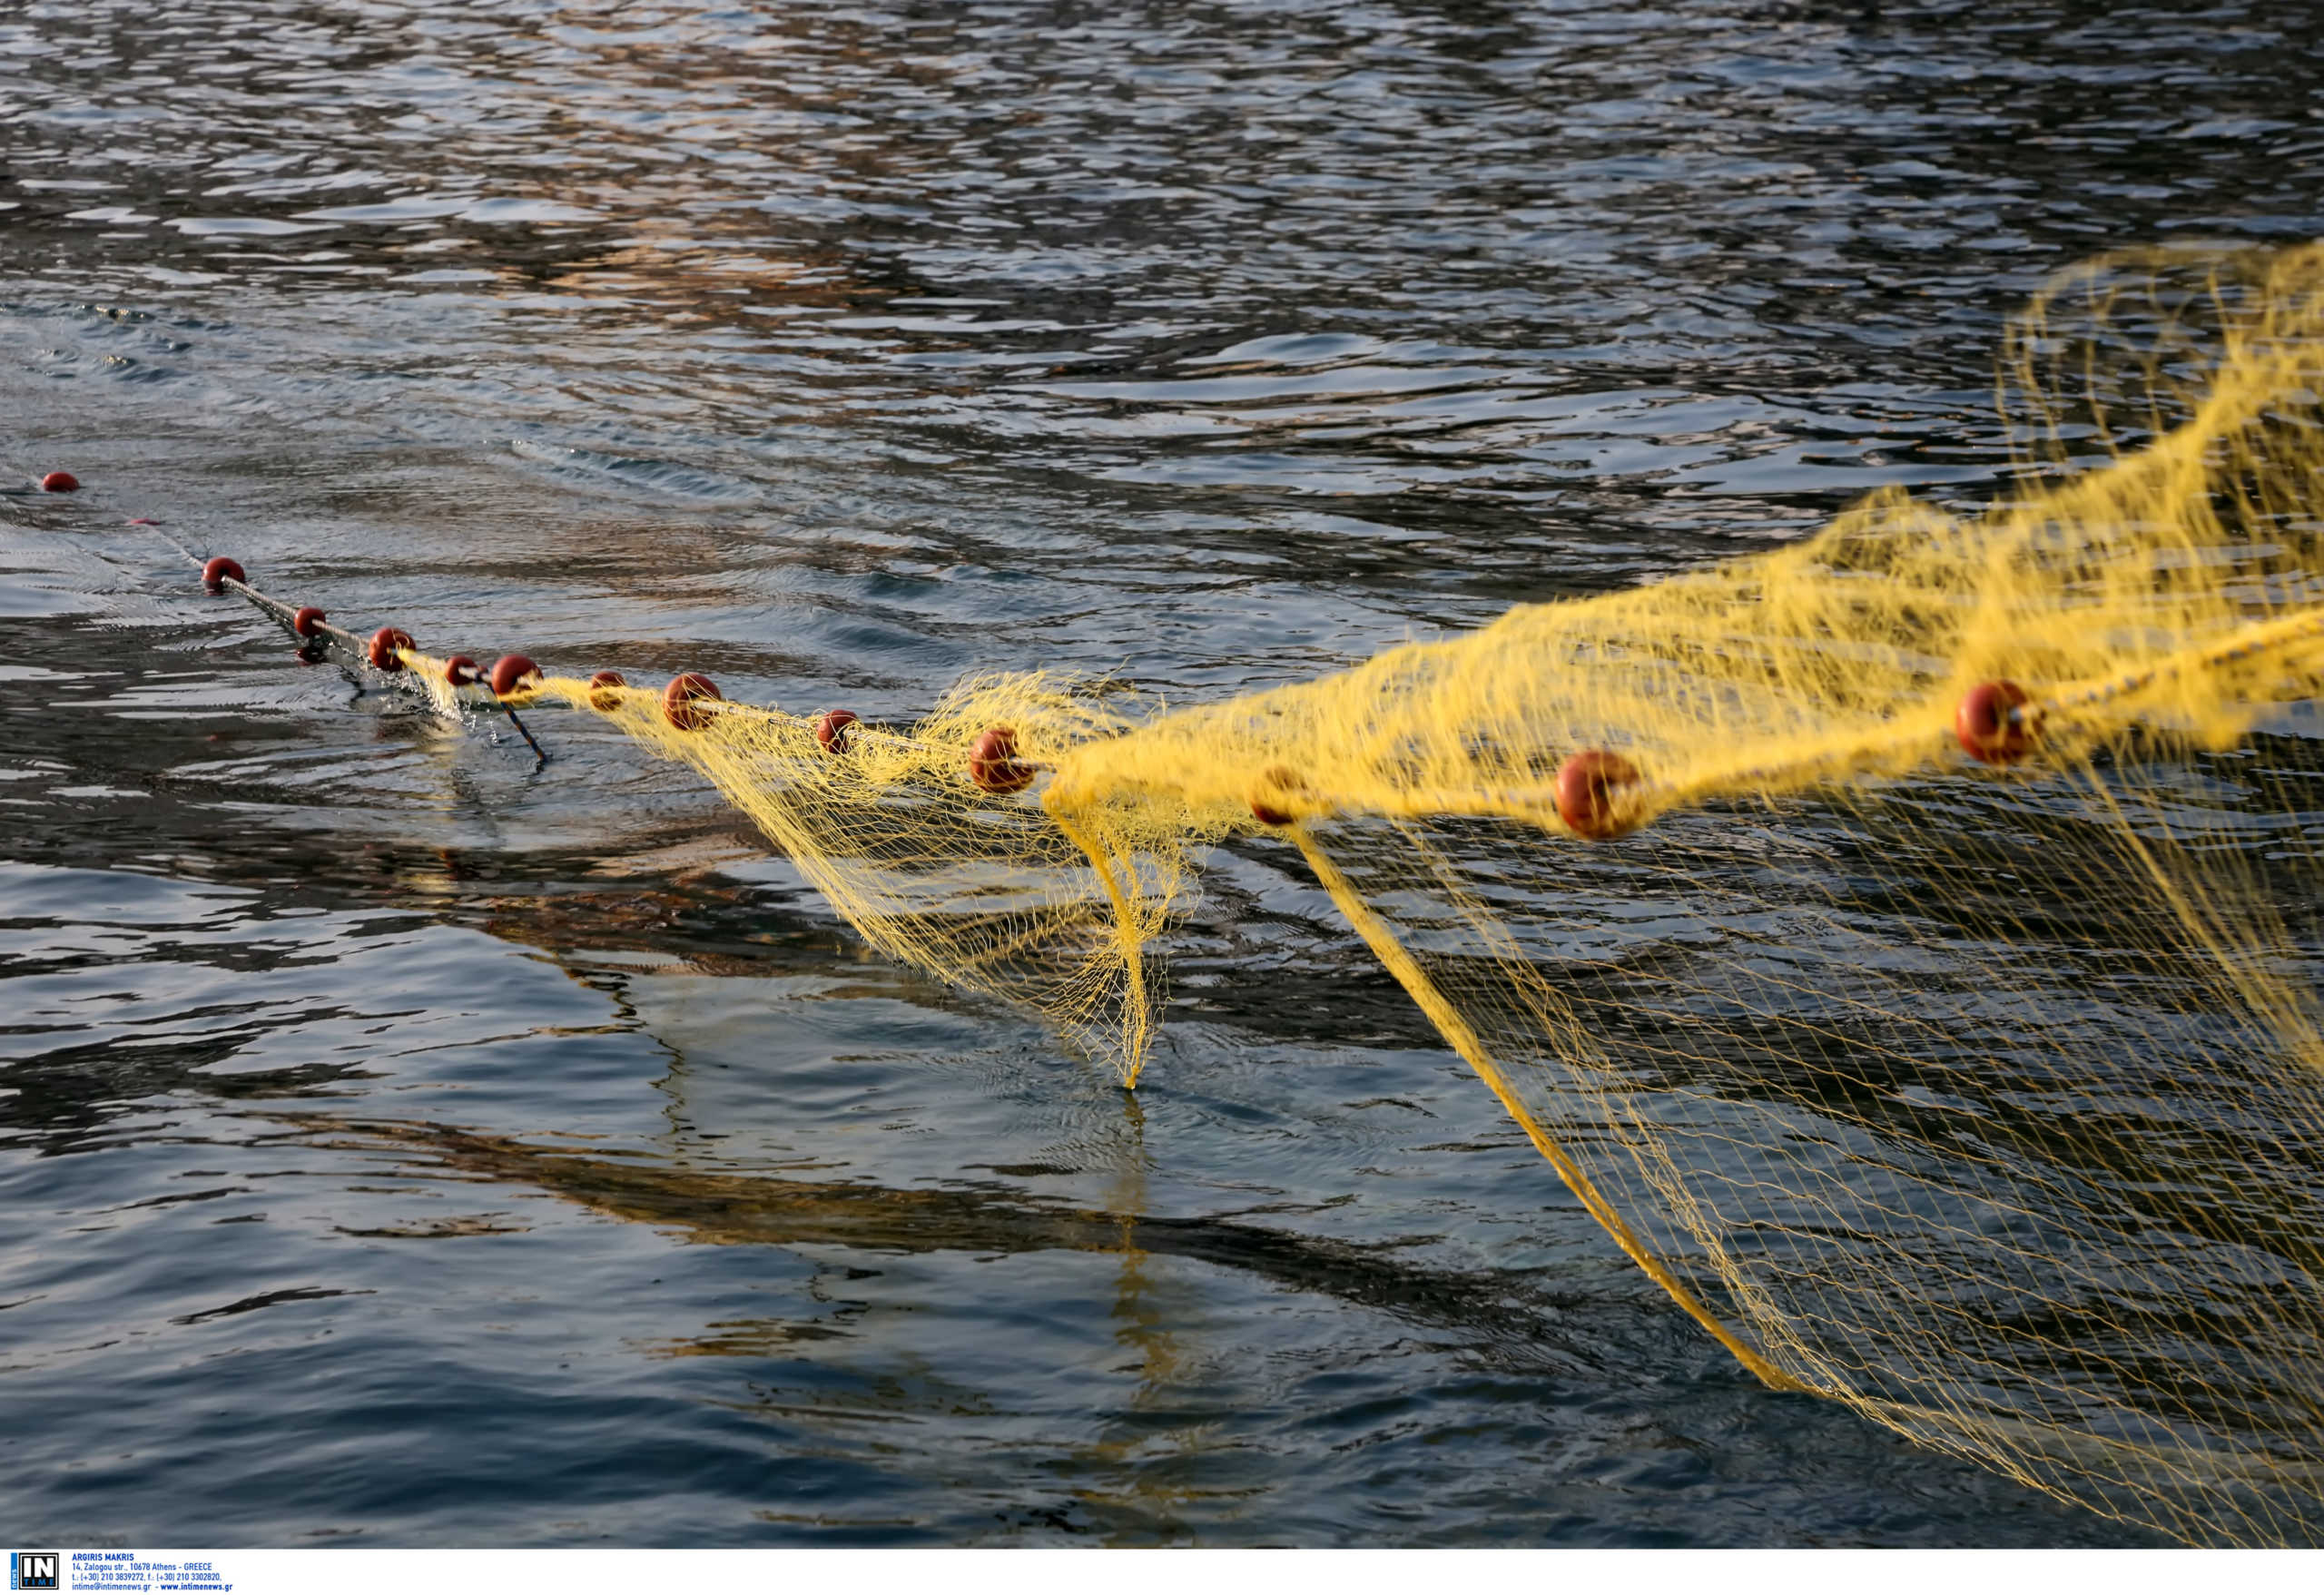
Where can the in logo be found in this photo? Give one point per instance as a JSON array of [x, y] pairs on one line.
[[33, 1570]]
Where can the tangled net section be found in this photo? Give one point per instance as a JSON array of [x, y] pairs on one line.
[[1905, 943]]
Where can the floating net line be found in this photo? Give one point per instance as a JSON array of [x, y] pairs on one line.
[[1905, 943]]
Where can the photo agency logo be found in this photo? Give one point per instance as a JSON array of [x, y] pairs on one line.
[[33, 1570]]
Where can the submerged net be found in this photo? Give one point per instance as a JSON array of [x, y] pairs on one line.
[[1984, 1095]]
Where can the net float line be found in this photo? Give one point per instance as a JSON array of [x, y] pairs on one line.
[[1598, 795], [692, 702], [2001, 721], [388, 651]]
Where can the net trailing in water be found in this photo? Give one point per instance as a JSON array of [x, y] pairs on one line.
[[1905, 943]]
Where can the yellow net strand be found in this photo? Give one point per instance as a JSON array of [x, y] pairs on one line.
[[1447, 1018]]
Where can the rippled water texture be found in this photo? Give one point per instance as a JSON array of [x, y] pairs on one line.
[[399, 1146]]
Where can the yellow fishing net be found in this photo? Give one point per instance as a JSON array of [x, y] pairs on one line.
[[1980, 1093]]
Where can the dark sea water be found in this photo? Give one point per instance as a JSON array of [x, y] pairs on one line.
[[398, 1146]]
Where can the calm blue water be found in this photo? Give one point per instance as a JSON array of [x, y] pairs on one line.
[[401, 1147]]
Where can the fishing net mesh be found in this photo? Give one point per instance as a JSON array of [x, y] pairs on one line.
[[1981, 1096]]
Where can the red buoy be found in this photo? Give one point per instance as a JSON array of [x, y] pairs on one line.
[[1987, 729], [511, 671], [460, 670], [60, 482], [683, 699], [831, 729], [309, 622], [603, 698], [1587, 783], [384, 644], [1275, 785], [993, 763], [216, 574]]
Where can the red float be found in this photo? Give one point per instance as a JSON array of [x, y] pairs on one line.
[[218, 571], [384, 644], [993, 763], [460, 670], [1276, 784], [603, 696], [512, 671], [309, 622], [683, 699], [1587, 783], [60, 482], [1987, 729], [831, 729]]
